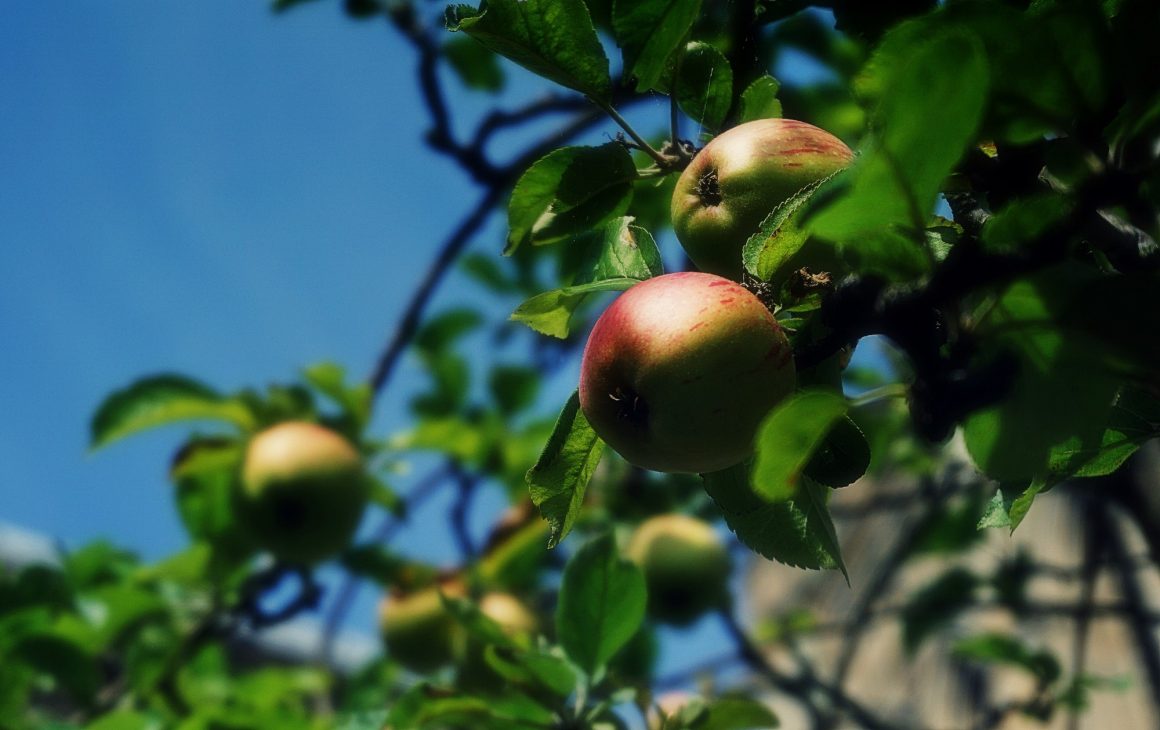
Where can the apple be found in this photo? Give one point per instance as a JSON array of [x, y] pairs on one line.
[[685, 566], [516, 619], [739, 178], [419, 632], [423, 636], [679, 371], [303, 491]]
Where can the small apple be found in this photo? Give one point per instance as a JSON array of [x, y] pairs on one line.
[[680, 370], [739, 178], [516, 619], [685, 566], [419, 632], [303, 491], [423, 636]]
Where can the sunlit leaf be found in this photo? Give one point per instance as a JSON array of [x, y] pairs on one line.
[[559, 479], [552, 39], [161, 400], [550, 313], [789, 437], [569, 190], [759, 100]]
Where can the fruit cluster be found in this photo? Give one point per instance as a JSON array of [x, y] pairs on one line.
[[680, 370]]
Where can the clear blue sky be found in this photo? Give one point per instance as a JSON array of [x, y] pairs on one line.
[[205, 188]]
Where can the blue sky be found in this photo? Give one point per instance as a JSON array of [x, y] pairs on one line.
[[210, 189]]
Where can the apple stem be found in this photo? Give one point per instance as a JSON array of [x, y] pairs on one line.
[[886, 392], [636, 138]]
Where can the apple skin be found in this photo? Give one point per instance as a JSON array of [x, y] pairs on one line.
[[419, 633], [680, 370], [732, 184], [303, 491], [422, 636], [685, 566]]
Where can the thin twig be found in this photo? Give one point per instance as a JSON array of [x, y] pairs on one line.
[[1093, 548], [799, 687], [465, 489]]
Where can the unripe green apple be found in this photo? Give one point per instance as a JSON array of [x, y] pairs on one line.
[[303, 491], [680, 370], [739, 178], [685, 566], [516, 619], [419, 632]]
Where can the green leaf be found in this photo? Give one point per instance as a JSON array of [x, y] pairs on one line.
[[70, 665], [569, 190], [513, 388], [478, 625], [383, 566], [997, 513], [443, 330], [704, 85], [551, 39], [1000, 649], [1022, 221], [759, 100], [205, 473], [126, 720], [935, 605], [160, 400], [1022, 504], [648, 31], [798, 532], [427, 706], [381, 494], [602, 604], [475, 65], [624, 251], [456, 437], [550, 313], [1062, 395], [770, 253], [534, 667], [329, 379], [1129, 427], [737, 713], [369, 720], [789, 437], [560, 476], [843, 456], [927, 121]]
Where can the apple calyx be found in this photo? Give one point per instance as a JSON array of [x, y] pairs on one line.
[[709, 188]]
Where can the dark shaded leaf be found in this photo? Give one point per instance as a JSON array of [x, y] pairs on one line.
[[704, 85], [648, 31], [798, 532], [476, 66], [938, 89]]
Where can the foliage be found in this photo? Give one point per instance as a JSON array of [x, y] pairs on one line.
[[997, 232]]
